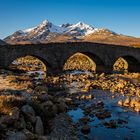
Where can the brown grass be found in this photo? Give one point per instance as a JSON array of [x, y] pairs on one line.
[[7, 102]]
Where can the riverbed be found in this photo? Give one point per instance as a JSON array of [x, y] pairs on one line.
[[127, 128], [96, 114]]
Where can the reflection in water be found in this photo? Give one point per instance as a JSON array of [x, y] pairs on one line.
[[130, 130]]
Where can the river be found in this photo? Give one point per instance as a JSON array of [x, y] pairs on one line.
[[104, 117]]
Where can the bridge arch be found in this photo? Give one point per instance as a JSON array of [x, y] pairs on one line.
[[45, 63], [98, 64], [133, 65]]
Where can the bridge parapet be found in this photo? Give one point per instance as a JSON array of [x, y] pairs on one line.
[[54, 55]]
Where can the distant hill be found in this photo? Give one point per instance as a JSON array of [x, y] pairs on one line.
[[2, 42], [48, 32]]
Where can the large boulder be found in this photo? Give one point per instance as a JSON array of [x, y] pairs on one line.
[[39, 129], [127, 102], [85, 129], [17, 136], [29, 113], [62, 107], [41, 90], [48, 109]]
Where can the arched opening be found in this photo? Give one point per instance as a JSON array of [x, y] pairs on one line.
[[31, 65], [84, 61], [126, 64], [121, 65]]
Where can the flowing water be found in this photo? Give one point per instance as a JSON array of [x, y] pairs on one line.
[[129, 130]]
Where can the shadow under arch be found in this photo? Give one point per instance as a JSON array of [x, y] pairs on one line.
[[133, 63], [94, 59]]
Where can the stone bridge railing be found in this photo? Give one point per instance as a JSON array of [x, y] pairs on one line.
[[54, 55]]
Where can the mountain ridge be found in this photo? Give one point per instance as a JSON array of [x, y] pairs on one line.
[[48, 32]]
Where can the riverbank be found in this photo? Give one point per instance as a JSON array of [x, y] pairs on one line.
[[72, 106]]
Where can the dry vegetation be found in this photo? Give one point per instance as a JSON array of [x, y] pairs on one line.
[[15, 82], [28, 63], [109, 38], [79, 62], [120, 65], [8, 102]]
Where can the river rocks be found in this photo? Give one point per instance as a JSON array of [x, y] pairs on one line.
[[133, 103], [136, 105], [137, 109], [96, 109], [43, 112], [39, 129], [32, 136], [84, 120], [44, 97], [68, 101], [17, 136], [85, 129], [29, 113], [6, 120], [86, 97], [99, 104], [11, 119], [111, 124], [29, 126], [115, 83], [29, 123], [48, 109], [62, 128], [89, 97], [20, 124], [62, 107], [102, 114], [15, 113], [9, 101], [29, 134], [120, 102], [127, 102], [59, 100], [115, 123], [47, 104], [41, 90]]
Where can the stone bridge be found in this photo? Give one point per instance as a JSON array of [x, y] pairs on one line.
[[54, 55]]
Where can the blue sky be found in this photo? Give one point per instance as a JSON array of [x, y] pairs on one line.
[[121, 16]]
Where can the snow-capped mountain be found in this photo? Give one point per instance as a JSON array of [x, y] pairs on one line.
[[48, 32], [78, 29]]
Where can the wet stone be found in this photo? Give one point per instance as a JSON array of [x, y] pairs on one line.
[[103, 114], [85, 129], [29, 113], [120, 102], [17, 136], [84, 120], [111, 124]]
